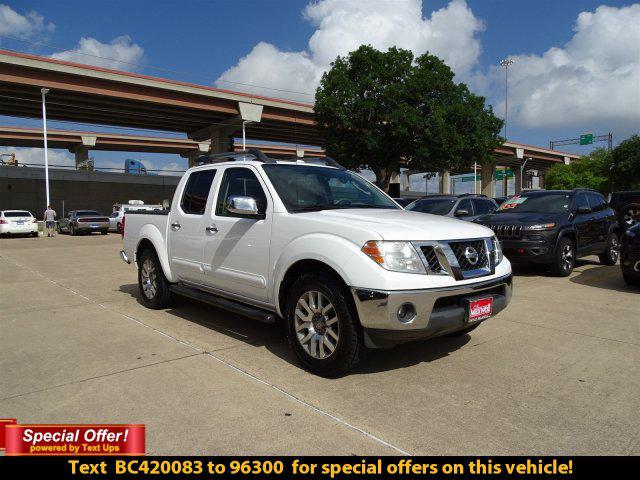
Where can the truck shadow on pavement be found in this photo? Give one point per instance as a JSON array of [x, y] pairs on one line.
[[272, 337]]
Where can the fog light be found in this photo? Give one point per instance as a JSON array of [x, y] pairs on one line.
[[406, 312]]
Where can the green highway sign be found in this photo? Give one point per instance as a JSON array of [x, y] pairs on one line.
[[500, 174], [470, 178], [586, 139]]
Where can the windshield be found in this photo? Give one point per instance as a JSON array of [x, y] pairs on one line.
[[307, 188], [437, 206], [17, 214], [88, 213], [537, 203]]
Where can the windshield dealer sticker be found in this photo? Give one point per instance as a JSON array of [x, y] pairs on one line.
[[512, 203]]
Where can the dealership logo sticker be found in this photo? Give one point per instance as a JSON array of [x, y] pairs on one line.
[[3, 423], [480, 309], [75, 439]]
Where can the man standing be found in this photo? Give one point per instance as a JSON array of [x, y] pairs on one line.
[[50, 221]]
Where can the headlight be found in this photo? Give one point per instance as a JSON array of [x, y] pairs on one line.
[[394, 256], [540, 226], [629, 233], [497, 251]]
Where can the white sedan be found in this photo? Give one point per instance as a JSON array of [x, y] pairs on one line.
[[18, 222]]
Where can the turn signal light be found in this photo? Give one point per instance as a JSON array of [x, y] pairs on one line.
[[372, 249], [3, 221]]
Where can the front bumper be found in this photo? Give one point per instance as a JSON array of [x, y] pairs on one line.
[[537, 248], [439, 311]]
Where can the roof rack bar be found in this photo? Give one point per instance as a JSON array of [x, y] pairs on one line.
[[233, 156], [328, 161]]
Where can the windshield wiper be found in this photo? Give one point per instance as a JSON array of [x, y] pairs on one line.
[[315, 208]]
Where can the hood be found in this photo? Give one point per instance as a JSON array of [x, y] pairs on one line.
[[406, 225], [515, 218]]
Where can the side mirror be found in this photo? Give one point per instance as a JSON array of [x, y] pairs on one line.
[[461, 213], [581, 210], [239, 205]]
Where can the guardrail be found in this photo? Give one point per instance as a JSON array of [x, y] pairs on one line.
[[95, 169]]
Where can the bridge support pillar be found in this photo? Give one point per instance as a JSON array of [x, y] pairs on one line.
[[192, 156], [445, 182], [82, 155], [488, 173]]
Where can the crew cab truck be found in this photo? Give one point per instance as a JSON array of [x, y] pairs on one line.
[[322, 250]]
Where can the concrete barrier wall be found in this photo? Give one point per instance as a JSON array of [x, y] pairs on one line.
[[24, 188]]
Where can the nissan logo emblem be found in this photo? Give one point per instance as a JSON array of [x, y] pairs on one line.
[[471, 254]]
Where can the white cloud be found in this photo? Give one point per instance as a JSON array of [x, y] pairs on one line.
[[119, 54], [26, 27], [344, 25], [593, 79], [35, 156]]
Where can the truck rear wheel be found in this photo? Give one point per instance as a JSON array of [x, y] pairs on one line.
[[154, 286], [322, 326]]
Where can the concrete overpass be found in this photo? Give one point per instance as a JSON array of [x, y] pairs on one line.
[[88, 94], [81, 143]]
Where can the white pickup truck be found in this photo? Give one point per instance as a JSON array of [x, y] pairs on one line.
[[321, 249]]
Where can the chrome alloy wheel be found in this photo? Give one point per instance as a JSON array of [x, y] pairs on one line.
[[567, 257], [149, 279], [316, 324], [614, 248]]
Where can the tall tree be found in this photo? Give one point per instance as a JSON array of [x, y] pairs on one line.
[[626, 164], [386, 110]]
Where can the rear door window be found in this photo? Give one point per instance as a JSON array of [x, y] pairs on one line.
[[196, 192], [581, 201]]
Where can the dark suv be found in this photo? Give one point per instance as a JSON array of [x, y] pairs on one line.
[[554, 227], [627, 207], [464, 207]]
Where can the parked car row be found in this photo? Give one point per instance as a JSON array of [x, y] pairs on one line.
[[553, 227]]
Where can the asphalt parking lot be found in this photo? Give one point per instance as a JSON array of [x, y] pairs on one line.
[[556, 373]]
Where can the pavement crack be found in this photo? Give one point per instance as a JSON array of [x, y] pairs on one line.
[[104, 375]]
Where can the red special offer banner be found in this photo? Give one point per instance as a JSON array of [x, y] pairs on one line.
[[3, 423], [75, 439]]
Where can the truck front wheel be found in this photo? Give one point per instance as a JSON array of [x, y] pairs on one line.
[[322, 326], [154, 286]]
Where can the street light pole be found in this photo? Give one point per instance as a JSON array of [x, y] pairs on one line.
[[506, 63], [244, 135], [44, 91]]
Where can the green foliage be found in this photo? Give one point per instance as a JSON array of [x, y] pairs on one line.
[[382, 110], [626, 164], [601, 170], [591, 171]]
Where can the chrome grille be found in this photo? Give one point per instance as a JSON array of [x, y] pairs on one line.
[[462, 249], [432, 259], [507, 231]]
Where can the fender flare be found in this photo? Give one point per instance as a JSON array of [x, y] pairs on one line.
[[563, 233], [332, 250], [151, 233]]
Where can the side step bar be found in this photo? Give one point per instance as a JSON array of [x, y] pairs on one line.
[[224, 303]]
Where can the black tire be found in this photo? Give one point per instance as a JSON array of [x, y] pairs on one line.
[[465, 330], [349, 344], [119, 228], [612, 253], [565, 258], [633, 280], [34, 234], [150, 273], [104, 232]]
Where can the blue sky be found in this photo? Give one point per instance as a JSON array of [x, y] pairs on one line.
[[596, 51]]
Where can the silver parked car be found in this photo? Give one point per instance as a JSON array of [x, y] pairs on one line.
[[465, 207], [83, 221]]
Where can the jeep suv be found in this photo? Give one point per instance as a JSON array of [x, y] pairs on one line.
[[554, 227], [627, 207], [464, 207]]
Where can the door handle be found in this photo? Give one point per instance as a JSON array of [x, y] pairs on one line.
[[212, 229], [175, 226]]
